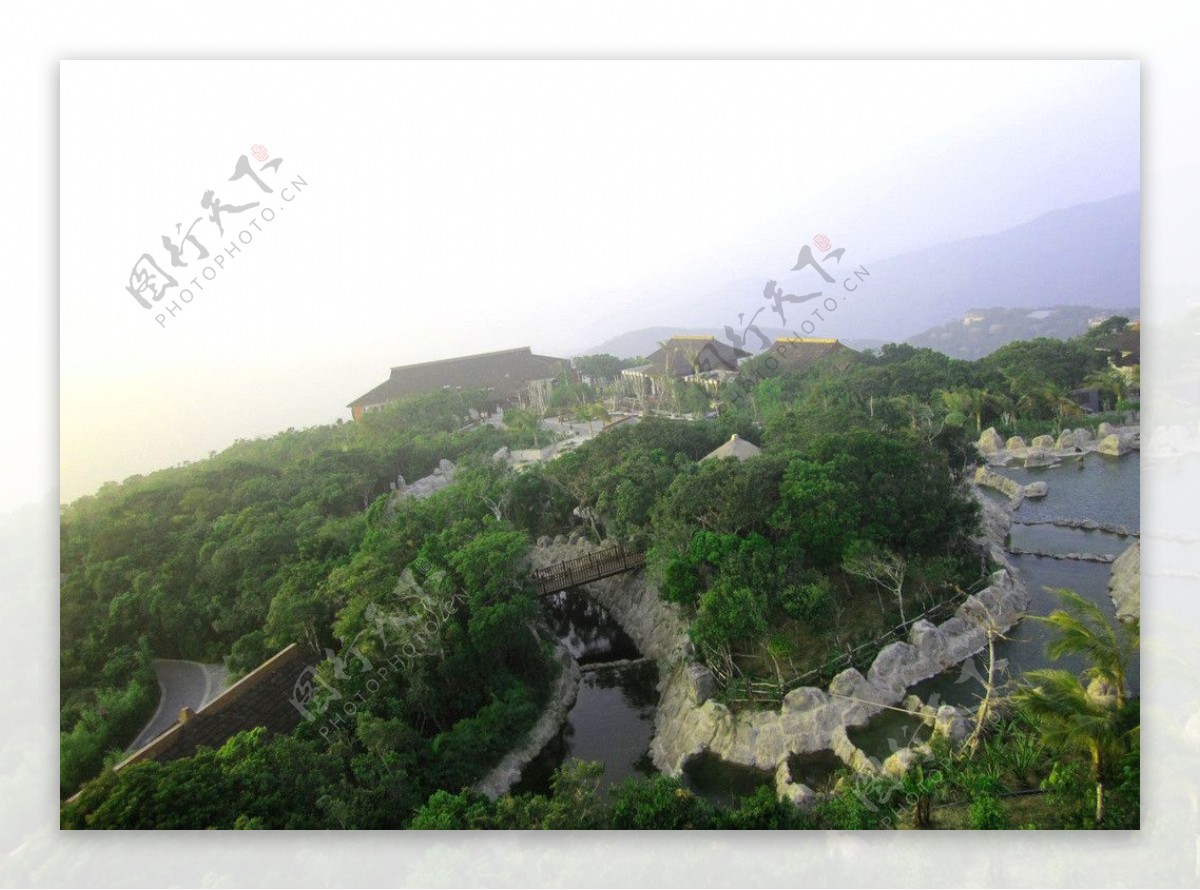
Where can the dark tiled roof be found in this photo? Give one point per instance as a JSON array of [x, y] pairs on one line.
[[798, 354], [683, 356], [1124, 347], [505, 371], [261, 698]]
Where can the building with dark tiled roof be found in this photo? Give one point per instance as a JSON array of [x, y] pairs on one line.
[[505, 373], [1124, 348], [684, 358]]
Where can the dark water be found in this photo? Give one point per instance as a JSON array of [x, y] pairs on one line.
[[720, 782], [888, 732], [612, 720], [815, 770], [1107, 491]]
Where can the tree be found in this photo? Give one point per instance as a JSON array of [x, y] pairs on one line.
[[524, 421], [1070, 716], [599, 367], [984, 712], [1082, 628], [972, 402], [725, 617], [1073, 721], [1111, 383], [880, 566], [592, 411]]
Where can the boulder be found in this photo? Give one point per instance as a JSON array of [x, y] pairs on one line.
[[1036, 489], [849, 754], [785, 789], [1124, 585], [854, 696], [998, 481], [900, 763], [890, 670], [951, 724], [1016, 443], [702, 685], [1067, 441], [990, 441], [501, 455], [1038, 457], [1082, 436], [1113, 445], [804, 700], [1045, 442]]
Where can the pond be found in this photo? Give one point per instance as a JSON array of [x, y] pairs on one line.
[[612, 720]]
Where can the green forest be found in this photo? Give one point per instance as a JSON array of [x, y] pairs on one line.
[[855, 519]]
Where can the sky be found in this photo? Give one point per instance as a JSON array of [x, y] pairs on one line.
[[425, 209]]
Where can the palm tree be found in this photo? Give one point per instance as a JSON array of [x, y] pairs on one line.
[[1110, 381], [1083, 629], [1071, 720], [591, 412], [972, 402], [1070, 716]]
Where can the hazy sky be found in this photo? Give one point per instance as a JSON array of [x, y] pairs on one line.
[[460, 207]]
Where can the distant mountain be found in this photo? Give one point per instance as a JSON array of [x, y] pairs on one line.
[[980, 332], [1088, 254]]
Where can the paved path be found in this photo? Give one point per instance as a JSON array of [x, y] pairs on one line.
[[181, 684]]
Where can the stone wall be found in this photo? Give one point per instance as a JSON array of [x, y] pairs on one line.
[[562, 698], [690, 721]]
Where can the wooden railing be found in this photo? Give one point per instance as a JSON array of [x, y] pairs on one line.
[[582, 569]]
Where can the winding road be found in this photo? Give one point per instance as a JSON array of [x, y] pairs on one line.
[[181, 684]]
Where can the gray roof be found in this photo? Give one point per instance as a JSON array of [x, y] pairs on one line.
[[683, 356], [505, 371]]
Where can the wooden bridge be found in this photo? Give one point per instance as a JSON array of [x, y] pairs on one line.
[[582, 569]]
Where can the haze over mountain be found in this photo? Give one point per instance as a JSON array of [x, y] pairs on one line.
[[981, 332], [1085, 255]]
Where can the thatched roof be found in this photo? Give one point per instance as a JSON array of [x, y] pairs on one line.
[[798, 354], [736, 447]]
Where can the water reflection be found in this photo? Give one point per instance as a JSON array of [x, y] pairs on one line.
[[612, 720], [590, 634]]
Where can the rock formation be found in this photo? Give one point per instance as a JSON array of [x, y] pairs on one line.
[[1125, 585]]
